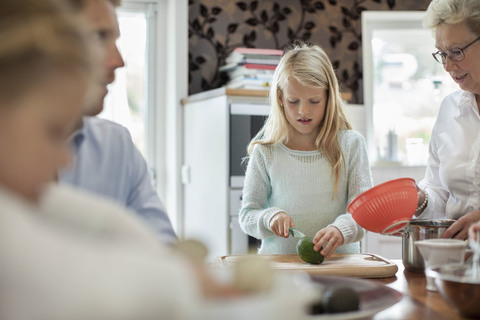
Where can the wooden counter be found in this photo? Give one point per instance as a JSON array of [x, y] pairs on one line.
[[417, 303]]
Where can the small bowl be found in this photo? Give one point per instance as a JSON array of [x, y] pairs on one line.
[[459, 288], [439, 251]]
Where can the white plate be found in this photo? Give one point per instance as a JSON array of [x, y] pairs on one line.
[[374, 297]]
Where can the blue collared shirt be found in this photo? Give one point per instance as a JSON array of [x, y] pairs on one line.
[[107, 162]]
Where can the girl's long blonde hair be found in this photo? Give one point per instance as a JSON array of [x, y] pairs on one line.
[[311, 67]]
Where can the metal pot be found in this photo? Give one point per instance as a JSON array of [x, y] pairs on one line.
[[420, 229]]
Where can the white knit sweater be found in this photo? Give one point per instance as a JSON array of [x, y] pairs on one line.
[[301, 184]]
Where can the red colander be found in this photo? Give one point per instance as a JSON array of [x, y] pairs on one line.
[[387, 207]]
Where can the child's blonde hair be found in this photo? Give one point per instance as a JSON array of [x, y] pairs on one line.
[[311, 67], [38, 39]]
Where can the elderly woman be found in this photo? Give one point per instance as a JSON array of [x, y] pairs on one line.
[[451, 187]]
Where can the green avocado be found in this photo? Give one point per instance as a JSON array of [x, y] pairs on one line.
[[306, 253], [336, 299], [340, 299]]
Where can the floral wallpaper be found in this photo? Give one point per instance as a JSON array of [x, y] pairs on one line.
[[217, 27]]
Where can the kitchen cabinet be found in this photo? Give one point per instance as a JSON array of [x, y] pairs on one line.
[[212, 192]]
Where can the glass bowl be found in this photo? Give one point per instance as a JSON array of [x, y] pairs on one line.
[[459, 287]]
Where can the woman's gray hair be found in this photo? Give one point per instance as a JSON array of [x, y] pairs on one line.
[[452, 12]]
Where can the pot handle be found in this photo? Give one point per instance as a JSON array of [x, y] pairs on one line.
[[397, 228]]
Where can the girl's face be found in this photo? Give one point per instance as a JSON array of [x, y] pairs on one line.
[[33, 133], [465, 73], [304, 109]]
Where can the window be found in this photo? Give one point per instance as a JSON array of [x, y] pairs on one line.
[[403, 86], [131, 100], [126, 101], [154, 42]]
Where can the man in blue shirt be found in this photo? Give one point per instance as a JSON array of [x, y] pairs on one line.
[[106, 160]]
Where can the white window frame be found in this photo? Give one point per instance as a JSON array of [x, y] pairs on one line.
[[167, 21], [372, 20]]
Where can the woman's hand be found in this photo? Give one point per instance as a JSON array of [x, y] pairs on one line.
[[331, 237], [459, 229], [280, 223], [472, 231]]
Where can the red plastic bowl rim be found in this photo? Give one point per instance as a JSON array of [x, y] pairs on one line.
[[395, 226], [374, 189]]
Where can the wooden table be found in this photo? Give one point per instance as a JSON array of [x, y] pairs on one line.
[[417, 302]]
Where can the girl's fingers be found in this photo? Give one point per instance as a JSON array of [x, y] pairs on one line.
[[286, 226], [329, 248], [319, 244], [318, 236], [280, 225]]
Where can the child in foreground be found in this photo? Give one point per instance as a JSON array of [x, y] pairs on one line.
[[66, 254], [306, 164]]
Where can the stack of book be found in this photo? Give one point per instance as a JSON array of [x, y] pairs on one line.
[[251, 68]]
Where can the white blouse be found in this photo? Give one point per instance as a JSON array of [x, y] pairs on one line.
[[452, 179]]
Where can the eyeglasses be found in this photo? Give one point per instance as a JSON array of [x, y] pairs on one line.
[[454, 54]]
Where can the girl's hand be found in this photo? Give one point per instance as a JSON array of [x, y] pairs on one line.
[[331, 237], [280, 223]]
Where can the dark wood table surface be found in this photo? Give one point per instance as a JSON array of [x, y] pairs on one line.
[[417, 302]]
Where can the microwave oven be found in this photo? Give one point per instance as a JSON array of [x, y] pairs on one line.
[[246, 120]]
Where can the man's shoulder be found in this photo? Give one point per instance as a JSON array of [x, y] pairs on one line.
[[105, 132], [102, 125]]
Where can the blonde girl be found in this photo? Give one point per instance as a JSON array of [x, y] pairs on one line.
[[306, 164]]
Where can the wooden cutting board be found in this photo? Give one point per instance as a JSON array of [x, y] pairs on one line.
[[359, 265]]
